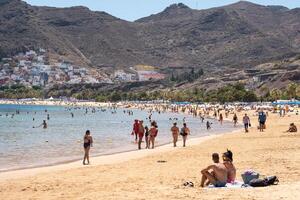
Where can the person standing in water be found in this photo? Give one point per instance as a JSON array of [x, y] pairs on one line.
[[185, 131], [235, 119], [87, 144], [175, 133], [141, 134], [135, 130], [147, 137], [221, 118], [153, 133]]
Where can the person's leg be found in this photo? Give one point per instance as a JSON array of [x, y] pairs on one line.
[[184, 140], [84, 157], [88, 155], [208, 176], [140, 142], [176, 139]]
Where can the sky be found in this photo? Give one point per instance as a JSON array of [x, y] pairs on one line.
[[131, 10]]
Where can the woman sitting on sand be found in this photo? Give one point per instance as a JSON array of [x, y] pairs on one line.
[[87, 143], [153, 133], [228, 162]]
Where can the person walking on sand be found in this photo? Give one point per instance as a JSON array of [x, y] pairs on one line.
[[175, 133], [185, 131], [87, 144], [235, 119], [247, 124], [153, 133], [262, 121], [141, 134]]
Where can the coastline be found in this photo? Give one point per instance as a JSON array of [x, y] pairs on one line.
[[127, 152], [105, 159], [138, 176]]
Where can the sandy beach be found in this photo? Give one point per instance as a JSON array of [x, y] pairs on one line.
[[138, 175]]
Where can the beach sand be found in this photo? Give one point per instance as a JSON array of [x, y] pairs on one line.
[[138, 175]]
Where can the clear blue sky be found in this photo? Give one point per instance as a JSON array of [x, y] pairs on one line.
[[134, 9]]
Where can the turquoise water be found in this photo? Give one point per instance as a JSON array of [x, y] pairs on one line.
[[22, 146]]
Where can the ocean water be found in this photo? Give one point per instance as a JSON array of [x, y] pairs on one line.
[[22, 146]]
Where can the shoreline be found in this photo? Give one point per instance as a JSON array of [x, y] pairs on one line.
[[160, 173], [107, 159]]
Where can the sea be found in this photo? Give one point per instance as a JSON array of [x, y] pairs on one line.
[[25, 144]]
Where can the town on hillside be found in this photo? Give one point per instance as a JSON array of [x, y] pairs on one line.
[[35, 68]]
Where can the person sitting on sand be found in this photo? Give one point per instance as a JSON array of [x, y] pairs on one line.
[[175, 133], [185, 131], [228, 162], [87, 143], [292, 128], [216, 160], [153, 133], [216, 174]]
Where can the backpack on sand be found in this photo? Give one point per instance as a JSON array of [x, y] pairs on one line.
[[271, 180]]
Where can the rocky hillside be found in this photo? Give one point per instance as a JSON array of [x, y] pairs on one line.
[[240, 35]]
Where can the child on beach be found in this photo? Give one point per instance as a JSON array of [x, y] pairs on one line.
[[292, 128]]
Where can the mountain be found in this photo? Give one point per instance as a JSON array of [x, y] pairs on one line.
[[239, 35]]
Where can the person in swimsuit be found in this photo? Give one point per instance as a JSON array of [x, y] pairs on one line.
[[153, 133], [147, 137], [175, 133], [228, 162], [216, 160], [221, 118], [135, 130], [141, 134], [87, 143], [235, 119], [216, 174], [185, 131]]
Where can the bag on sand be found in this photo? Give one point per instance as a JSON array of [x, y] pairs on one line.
[[271, 180]]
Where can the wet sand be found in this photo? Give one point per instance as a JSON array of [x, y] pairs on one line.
[[138, 175]]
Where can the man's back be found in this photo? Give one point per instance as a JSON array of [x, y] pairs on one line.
[[220, 172]]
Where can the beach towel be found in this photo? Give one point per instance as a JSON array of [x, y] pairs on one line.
[[236, 184]]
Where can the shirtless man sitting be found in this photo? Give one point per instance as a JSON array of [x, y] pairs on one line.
[[216, 174]]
